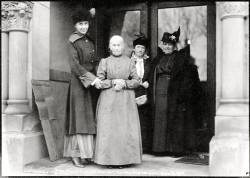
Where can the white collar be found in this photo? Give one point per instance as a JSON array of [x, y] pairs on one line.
[[145, 56]]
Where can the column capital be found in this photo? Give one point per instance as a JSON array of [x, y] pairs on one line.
[[233, 9], [4, 22], [16, 15]]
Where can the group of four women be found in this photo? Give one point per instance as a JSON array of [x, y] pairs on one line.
[[112, 134]]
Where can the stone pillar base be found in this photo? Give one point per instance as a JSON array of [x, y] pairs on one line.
[[229, 156], [13, 122], [17, 107], [22, 142], [229, 148], [20, 148]]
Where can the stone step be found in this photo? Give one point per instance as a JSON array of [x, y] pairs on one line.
[[151, 166], [229, 156], [231, 125]]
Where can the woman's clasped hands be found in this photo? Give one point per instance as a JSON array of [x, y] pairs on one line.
[[98, 83], [119, 84]]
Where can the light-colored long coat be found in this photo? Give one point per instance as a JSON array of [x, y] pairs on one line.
[[118, 140]]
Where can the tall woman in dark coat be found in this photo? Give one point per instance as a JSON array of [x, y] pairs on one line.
[[81, 126], [171, 84], [143, 63]]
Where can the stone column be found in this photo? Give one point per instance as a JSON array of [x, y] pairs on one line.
[[229, 148], [4, 59], [22, 139], [18, 19], [232, 19]]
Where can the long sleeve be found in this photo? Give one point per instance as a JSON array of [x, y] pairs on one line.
[[85, 76], [102, 74], [133, 81]]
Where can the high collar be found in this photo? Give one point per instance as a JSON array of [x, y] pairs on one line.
[[169, 54], [77, 35], [80, 35], [120, 56], [136, 58]]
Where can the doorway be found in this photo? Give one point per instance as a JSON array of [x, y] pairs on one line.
[[197, 23]]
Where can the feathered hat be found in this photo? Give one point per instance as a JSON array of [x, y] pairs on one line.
[[171, 37], [81, 15]]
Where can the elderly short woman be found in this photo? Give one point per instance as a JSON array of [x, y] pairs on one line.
[[118, 140]]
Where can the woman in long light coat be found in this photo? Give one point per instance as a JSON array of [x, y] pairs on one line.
[[118, 140]]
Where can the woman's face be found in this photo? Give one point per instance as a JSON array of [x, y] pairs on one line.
[[82, 27], [139, 50], [167, 47], [116, 46]]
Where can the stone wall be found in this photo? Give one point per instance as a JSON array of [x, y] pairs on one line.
[[60, 29], [229, 148]]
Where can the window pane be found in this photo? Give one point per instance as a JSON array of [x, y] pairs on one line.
[[126, 24], [193, 25]]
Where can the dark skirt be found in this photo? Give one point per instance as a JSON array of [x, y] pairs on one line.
[[146, 127], [160, 115], [174, 130]]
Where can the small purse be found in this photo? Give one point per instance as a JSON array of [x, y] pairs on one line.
[[141, 100]]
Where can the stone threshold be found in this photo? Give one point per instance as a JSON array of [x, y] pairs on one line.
[[151, 166]]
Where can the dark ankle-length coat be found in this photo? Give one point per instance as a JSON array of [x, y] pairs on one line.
[[83, 62], [173, 82]]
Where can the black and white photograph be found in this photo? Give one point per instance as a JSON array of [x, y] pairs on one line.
[[124, 88]]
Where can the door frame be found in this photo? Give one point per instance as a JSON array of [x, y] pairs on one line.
[[106, 11], [210, 84]]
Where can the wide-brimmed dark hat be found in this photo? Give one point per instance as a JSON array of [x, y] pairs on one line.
[[171, 37], [140, 40], [81, 15]]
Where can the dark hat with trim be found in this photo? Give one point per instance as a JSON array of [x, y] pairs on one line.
[[171, 37], [81, 15], [140, 40]]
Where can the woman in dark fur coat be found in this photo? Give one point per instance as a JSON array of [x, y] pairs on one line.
[[173, 80]]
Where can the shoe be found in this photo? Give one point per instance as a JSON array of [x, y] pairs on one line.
[[77, 163], [86, 161]]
